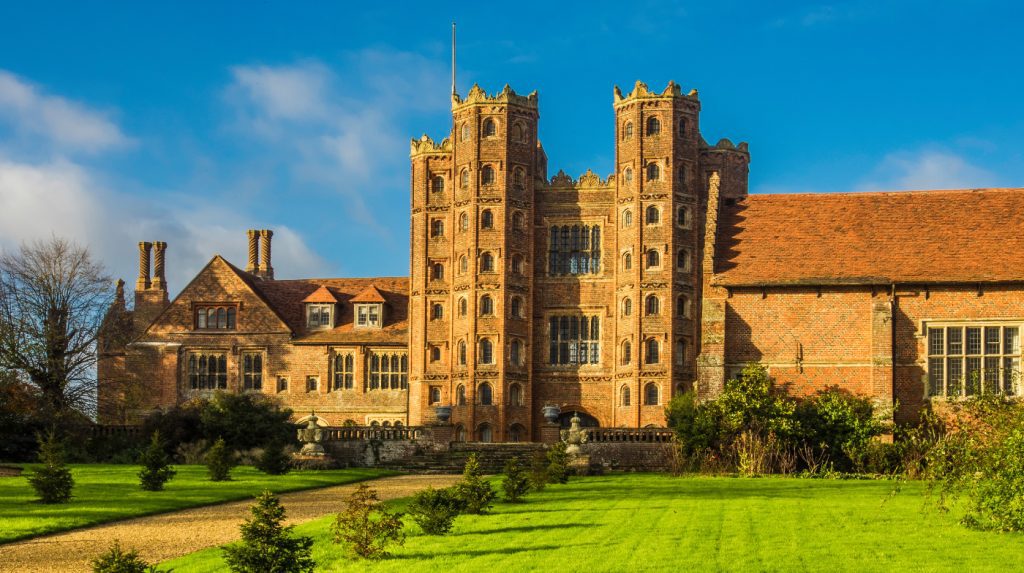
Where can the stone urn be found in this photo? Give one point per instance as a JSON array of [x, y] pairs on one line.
[[551, 413], [311, 437], [443, 413], [575, 436]]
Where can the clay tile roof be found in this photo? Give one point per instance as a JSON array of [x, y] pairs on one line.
[[963, 236], [322, 294], [369, 294]]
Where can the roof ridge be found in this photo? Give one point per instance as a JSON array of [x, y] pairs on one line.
[[888, 192]]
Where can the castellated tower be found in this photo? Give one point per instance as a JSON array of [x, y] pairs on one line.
[[471, 275]]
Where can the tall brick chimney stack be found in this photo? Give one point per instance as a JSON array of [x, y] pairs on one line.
[[159, 280], [143, 281], [150, 296], [266, 271], [254, 250]]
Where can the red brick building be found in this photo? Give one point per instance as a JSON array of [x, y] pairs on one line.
[[604, 296]]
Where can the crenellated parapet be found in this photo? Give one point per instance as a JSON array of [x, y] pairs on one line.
[[588, 180], [426, 146], [725, 145], [506, 96], [642, 92]]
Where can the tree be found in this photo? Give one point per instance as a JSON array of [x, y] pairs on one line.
[[53, 297], [156, 465], [117, 560], [435, 510], [558, 464], [475, 492], [516, 484], [366, 526], [274, 460], [267, 545], [219, 461], [53, 482], [539, 471]]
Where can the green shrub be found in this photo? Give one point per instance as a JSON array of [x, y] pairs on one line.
[[539, 471], [366, 527], [841, 425], [116, 560], [53, 482], [219, 461], [434, 510], [516, 484], [558, 464], [244, 421], [267, 545], [274, 460], [474, 491], [156, 465]]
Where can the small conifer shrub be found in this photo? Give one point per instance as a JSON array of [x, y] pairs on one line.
[[219, 461], [267, 545], [558, 464], [435, 510], [53, 482], [117, 560], [274, 460], [516, 483], [156, 465], [366, 526], [539, 471], [475, 492]]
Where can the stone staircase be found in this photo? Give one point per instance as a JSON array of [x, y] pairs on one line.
[[492, 458]]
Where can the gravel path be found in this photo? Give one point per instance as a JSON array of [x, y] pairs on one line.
[[169, 535]]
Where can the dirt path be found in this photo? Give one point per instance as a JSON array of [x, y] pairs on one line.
[[169, 535]]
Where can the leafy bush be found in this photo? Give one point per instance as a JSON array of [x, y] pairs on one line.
[[219, 461], [434, 510], [156, 465], [558, 464], [244, 421], [516, 483], [474, 491], [191, 453], [366, 527], [539, 471], [841, 425], [53, 482], [116, 560], [267, 545], [274, 460]]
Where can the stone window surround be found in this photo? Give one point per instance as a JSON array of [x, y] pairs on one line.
[[1013, 354]]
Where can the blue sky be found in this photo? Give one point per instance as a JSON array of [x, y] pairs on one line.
[[190, 122]]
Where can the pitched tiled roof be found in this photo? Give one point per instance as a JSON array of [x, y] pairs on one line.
[[369, 294], [287, 296], [964, 236], [321, 295]]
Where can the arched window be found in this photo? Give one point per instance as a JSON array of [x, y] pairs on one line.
[[627, 218], [627, 130], [487, 263], [683, 260], [518, 133], [680, 354], [485, 394], [517, 220], [465, 132], [460, 395], [437, 271], [517, 307], [515, 352], [653, 215], [486, 351], [627, 261], [483, 433], [681, 126], [653, 305], [435, 395], [651, 351], [486, 219], [464, 221], [490, 128], [462, 352], [435, 353], [437, 184], [627, 354], [627, 175], [487, 175], [462, 306], [463, 265], [486, 305], [515, 395], [653, 259], [653, 172], [653, 126], [624, 395], [682, 216], [517, 264], [516, 433], [627, 306], [651, 394], [683, 306], [460, 433], [519, 177], [437, 228], [464, 179], [386, 424], [437, 311]]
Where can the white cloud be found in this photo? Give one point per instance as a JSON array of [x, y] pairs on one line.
[[288, 92], [926, 169], [61, 122]]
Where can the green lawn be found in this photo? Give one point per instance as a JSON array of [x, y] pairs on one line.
[[110, 492], [660, 523]]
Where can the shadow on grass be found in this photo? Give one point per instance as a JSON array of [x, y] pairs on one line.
[[485, 552], [524, 528]]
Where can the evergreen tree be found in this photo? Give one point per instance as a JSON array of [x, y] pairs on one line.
[[274, 460], [219, 461], [516, 484], [53, 482], [434, 510], [558, 464], [117, 560], [156, 465], [366, 526], [475, 492], [539, 471], [267, 545]]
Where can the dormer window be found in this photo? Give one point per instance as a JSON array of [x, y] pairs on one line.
[[368, 315], [320, 315]]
